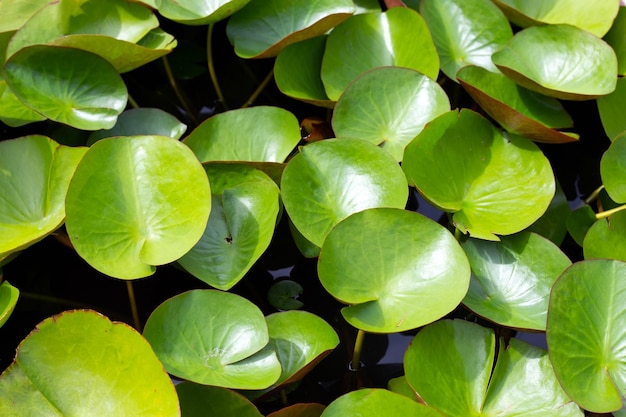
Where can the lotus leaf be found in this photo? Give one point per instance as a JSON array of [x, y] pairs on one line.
[[613, 169], [14, 13], [8, 299], [12, 111], [371, 402], [606, 238], [611, 108], [199, 12], [202, 400], [615, 37], [300, 410]]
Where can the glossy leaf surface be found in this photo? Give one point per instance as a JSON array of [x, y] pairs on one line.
[[199, 12], [262, 134], [203, 400], [613, 169], [494, 183], [372, 402], [136, 202], [14, 13], [559, 61], [13, 112], [240, 227], [331, 179], [8, 299], [615, 37], [388, 107], [264, 27], [606, 238], [397, 37], [193, 341], [586, 337], [413, 274], [611, 108], [511, 279], [68, 359]]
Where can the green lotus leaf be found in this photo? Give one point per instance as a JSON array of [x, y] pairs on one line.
[[12, 111], [80, 363], [85, 100], [494, 183], [579, 222], [307, 248], [449, 364], [427, 279], [283, 295], [264, 27], [202, 400], [613, 169], [517, 109], [300, 410], [595, 16], [465, 32], [586, 336], [192, 339], [553, 224], [606, 238], [297, 71], [35, 172], [136, 202], [240, 227], [331, 179], [511, 279], [611, 109], [388, 107], [374, 402], [4, 42], [262, 134], [400, 386], [8, 299], [397, 37], [617, 39], [199, 12], [142, 121], [559, 61], [14, 13]]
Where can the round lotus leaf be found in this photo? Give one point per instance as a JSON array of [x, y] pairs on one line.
[[515, 108], [331, 179], [199, 12], [494, 183], [559, 61], [595, 16], [617, 39], [553, 224], [511, 279], [241, 224], [409, 276], [300, 410], [606, 238], [613, 169], [264, 27], [13, 112], [203, 400], [283, 295], [611, 109], [579, 222], [80, 363], [586, 335], [261, 134], [35, 172], [213, 338], [88, 101], [14, 13], [398, 37], [135, 202], [388, 107], [8, 299], [373, 402], [465, 32]]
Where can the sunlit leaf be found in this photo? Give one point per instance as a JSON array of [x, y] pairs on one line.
[[203, 400], [371, 402], [8, 299], [606, 238], [199, 12]]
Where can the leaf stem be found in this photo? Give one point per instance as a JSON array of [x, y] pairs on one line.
[[457, 234], [177, 91], [133, 305], [132, 102], [259, 89], [209, 54], [593, 195], [358, 347], [607, 213]]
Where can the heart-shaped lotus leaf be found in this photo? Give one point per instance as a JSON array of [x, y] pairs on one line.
[[515, 108], [8, 299], [613, 169], [283, 295], [14, 13], [553, 224], [465, 32], [559, 61], [616, 37], [243, 215], [511, 279], [142, 121], [85, 101], [579, 222], [611, 109], [264, 27], [79, 363], [334, 178], [449, 364], [398, 37], [199, 12], [409, 276], [586, 335], [35, 172], [262, 134], [300, 410], [494, 183], [297, 71], [375, 402], [213, 338], [606, 238], [595, 16], [136, 202], [388, 106], [203, 400], [12, 111]]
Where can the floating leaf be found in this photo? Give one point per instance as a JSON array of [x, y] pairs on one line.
[[8, 299], [559, 61], [331, 179], [613, 169], [553, 224], [388, 107], [399, 385], [611, 109], [136, 202], [14, 13], [579, 222], [199, 12], [283, 295], [427, 279], [202, 400], [190, 336], [372, 402], [299, 410], [606, 238], [69, 357], [616, 37], [12, 111]]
